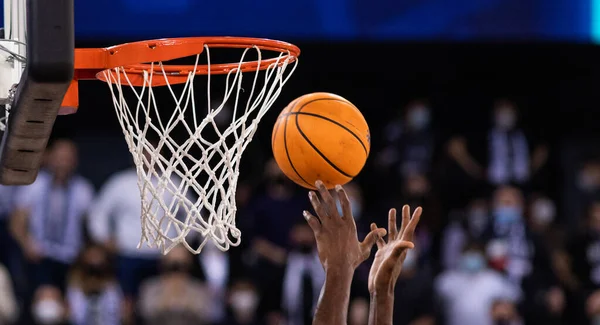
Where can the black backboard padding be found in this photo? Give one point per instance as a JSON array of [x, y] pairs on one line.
[[48, 73]]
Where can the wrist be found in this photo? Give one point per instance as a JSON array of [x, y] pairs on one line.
[[384, 291], [339, 270], [382, 295]]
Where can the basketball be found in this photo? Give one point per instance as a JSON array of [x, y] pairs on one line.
[[321, 136]]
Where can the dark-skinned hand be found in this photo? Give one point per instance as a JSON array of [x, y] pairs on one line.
[[337, 240], [390, 255]]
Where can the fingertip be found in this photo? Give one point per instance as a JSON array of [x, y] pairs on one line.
[[339, 188], [306, 215], [319, 183]]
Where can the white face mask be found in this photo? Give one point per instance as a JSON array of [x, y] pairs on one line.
[[244, 302], [48, 311]]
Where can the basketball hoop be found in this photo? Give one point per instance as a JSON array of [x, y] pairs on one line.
[[187, 165]]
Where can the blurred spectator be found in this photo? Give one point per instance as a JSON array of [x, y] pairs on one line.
[[542, 214], [509, 228], [115, 222], [588, 189], [509, 157], [175, 297], [468, 226], [93, 295], [269, 221], [414, 295], [215, 266], [304, 277], [417, 190], [49, 307], [8, 301], [410, 141], [243, 301], [467, 293], [585, 250], [505, 313], [48, 219]]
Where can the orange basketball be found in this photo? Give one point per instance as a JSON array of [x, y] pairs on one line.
[[321, 136]]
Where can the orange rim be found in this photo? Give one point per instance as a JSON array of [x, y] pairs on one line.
[[134, 58]]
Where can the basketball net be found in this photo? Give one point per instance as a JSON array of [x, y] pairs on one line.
[[188, 186]]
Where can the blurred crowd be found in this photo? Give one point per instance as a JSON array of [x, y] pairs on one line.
[[491, 248]]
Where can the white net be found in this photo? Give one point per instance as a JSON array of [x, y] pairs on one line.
[[188, 164]]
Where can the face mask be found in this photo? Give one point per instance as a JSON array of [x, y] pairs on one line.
[[543, 212], [244, 302], [47, 311], [410, 262], [472, 262], [505, 120], [419, 118], [507, 215]]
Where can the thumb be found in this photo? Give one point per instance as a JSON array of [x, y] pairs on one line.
[[400, 248], [372, 237]]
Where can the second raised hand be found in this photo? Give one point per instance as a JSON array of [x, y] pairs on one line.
[[390, 255]]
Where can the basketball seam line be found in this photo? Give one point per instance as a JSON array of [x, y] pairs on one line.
[[285, 123], [332, 121], [339, 170]]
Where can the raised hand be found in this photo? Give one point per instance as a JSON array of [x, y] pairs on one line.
[[340, 252], [390, 255], [337, 240]]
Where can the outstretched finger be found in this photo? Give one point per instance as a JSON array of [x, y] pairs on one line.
[[405, 219], [380, 242], [392, 227], [400, 248], [328, 201], [318, 206], [312, 221], [409, 233], [372, 237], [345, 203]]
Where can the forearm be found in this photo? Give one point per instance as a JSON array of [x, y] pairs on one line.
[[332, 308], [381, 308]]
